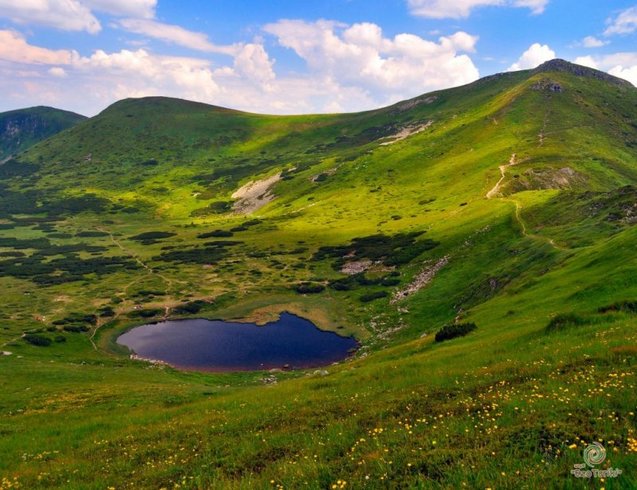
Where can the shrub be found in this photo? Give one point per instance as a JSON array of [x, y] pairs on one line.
[[35, 339], [625, 306], [189, 308], [390, 281], [152, 235], [216, 234], [309, 288], [147, 313], [366, 298], [60, 339], [455, 330], [564, 320], [75, 328], [107, 312]]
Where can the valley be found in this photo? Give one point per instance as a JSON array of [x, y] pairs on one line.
[[447, 210]]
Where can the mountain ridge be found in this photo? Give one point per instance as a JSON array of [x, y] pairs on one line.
[[22, 128]]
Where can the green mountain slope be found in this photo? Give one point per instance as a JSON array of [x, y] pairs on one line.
[[23, 128], [508, 203]]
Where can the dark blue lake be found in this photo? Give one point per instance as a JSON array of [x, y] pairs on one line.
[[209, 345]]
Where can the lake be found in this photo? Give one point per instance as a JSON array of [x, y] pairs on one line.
[[214, 345]]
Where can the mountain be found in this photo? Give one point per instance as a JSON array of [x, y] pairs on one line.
[[23, 128], [501, 214]]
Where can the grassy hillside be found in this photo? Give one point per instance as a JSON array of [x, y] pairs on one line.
[[508, 203], [21, 129]]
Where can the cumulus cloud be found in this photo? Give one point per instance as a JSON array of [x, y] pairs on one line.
[[69, 15], [439, 9], [73, 15], [533, 57], [593, 42], [349, 68], [359, 55], [624, 23]]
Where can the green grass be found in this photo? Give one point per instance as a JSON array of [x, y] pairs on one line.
[[511, 404]]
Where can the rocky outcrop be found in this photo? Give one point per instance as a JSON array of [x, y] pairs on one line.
[[558, 65]]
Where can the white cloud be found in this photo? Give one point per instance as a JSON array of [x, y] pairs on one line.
[[253, 63], [624, 23], [68, 15], [627, 73], [586, 61], [58, 72], [14, 48], [622, 65], [73, 15], [124, 8], [349, 68], [360, 56], [174, 34], [439, 9], [533, 57], [593, 42]]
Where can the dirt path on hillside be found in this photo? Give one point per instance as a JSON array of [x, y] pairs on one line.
[[518, 206], [503, 168]]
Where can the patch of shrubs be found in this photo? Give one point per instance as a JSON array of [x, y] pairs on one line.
[[152, 235], [77, 318], [107, 312], [35, 339], [565, 320], [394, 250], [91, 234], [75, 328], [216, 234], [621, 306], [211, 253], [309, 288], [366, 298], [145, 313], [217, 207], [352, 282], [190, 308], [455, 330]]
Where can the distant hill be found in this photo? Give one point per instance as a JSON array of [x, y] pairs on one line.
[[22, 128]]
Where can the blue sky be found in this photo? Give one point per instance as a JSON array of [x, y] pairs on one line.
[[292, 56]]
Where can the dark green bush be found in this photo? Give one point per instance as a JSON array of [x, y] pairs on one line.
[[152, 235], [190, 307], [366, 298], [60, 339], [455, 330], [216, 234], [309, 288], [145, 313], [35, 339], [75, 328], [565, 320], [625, 306]]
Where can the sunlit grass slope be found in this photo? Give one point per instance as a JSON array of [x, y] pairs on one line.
[[508, 203]]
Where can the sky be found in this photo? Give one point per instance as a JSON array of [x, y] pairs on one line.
[[293, 56]]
